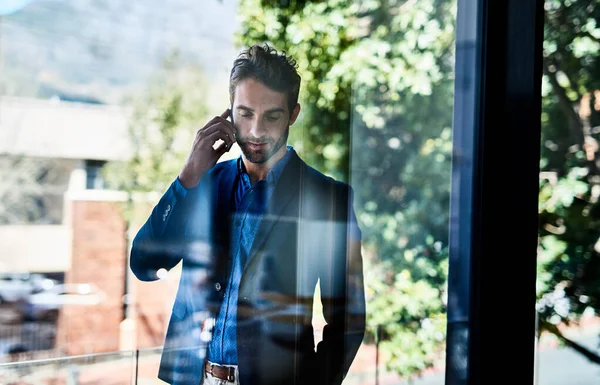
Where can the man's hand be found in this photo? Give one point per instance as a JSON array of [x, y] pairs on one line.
[[203, 155]]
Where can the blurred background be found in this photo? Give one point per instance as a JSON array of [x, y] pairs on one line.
[[100, 100]]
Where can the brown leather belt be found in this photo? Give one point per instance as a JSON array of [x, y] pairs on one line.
[[226, 373]]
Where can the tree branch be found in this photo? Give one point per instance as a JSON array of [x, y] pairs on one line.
[[590, 355], [565, 104]]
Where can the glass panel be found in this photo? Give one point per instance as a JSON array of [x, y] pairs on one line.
[[401, 77], [569, 257], [101, 102], [147, 365], [114, 368]]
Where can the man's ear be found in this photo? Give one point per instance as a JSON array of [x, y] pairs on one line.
[[294, 114]]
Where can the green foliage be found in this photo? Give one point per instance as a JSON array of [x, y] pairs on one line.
[[163, 121], [377, 112], [569, 258]]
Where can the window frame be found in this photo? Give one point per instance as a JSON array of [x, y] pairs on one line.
[[496, 152]]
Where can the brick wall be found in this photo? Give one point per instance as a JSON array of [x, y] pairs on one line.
[[98, 258], [153, 309], [99, 255]]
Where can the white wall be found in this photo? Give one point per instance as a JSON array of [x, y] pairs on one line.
[[35, 248]]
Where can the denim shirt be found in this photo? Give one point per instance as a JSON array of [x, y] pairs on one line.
[[250, 203]]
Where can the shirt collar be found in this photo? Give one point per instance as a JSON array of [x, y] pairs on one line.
[[275, 172]]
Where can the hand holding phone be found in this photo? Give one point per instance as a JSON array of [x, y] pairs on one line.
[[213, 140]]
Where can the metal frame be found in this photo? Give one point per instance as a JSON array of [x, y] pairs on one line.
[[493, 218]]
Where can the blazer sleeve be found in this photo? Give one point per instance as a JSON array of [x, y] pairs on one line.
[[158, 244], [342, 292]]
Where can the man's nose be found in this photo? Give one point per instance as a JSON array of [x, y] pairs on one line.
[[258, 129]]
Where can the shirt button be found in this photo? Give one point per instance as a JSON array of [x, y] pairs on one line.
[[217, 286], [166, 213]]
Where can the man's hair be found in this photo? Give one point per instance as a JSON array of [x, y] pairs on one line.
[[275, 70]]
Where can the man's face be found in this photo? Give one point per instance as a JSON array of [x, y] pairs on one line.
[[262, 119]]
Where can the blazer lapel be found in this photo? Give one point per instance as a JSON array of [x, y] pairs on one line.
[[287, 187], [214, 211], [221, 216], [212, 204], [223, 194]]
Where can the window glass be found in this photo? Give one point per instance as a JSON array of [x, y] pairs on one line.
[[568, 253], [101, 104]]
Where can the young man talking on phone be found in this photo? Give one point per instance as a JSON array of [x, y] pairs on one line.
[[256, 237]]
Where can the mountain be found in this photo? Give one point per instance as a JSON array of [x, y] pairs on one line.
[[96, 51]]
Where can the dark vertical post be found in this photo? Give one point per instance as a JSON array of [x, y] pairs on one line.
[[377, 340], [493, 225], [137, 365], [464, 157]]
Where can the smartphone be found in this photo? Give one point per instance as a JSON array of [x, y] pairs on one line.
[[231, 119]]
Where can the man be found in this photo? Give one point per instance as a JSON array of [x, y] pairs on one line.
[[255, 236]]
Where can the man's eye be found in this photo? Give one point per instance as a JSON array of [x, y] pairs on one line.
[[272, 118], [245, 115]]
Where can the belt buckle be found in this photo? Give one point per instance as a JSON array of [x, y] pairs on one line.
[[230, 377]]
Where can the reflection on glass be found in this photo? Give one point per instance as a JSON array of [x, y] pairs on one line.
[[255, 235], [100, 109]]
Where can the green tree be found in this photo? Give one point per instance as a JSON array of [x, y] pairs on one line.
[[377, 112], [569, 226]]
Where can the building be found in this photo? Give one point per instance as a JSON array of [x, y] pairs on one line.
[[76, 229]]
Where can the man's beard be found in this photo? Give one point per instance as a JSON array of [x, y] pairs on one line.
[[262, 156]]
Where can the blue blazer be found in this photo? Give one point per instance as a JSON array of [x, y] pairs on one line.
[[303, 240]]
